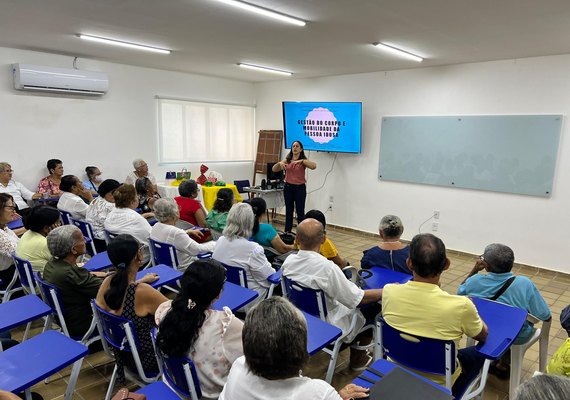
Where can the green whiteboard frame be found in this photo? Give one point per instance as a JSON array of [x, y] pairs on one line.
[[501, 153]]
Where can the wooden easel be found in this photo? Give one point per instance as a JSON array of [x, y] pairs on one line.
[[269, 147]]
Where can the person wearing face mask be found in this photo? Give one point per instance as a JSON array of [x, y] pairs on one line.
[[98, 210], [94, 179]]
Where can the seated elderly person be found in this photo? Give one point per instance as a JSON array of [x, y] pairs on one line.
[[235, 249], [124, 219], [94, 179], [390, 253], [74, 197], [18, 191], [327, 249], [275, 352], [8, 239], [141, 170], [99, 209], [310, 269], [501, 285], [39, 222], [146, 193], [190, 327], [190, 209], [420, 307], [50, 184], [166, 212], [76, 285]]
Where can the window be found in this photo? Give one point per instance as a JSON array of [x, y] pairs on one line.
[[204, 132]]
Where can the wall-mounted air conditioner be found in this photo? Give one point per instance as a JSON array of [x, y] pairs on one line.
[[60, 80]]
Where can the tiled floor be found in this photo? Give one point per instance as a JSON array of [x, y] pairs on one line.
[[97, 368]]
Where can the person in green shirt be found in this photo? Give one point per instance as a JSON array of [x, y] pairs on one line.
[[39, 221], [218, 215], [76, 285]]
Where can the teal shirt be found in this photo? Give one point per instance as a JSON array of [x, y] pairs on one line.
[[265, 235], [521, 293]]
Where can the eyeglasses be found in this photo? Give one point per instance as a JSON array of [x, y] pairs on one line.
[[13, 208], [8, 171]]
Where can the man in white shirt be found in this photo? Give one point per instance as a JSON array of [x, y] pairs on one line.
[[312, 270], [141, 170], [74, 197], [18, 191]]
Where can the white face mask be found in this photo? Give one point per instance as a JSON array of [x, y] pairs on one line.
[[98, 178]]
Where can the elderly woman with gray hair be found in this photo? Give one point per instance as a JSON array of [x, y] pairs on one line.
[[165, 230], [235, 249], [390, 253], [76, 285], [275, 351]]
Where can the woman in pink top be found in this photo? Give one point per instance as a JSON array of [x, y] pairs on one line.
[[295, 191]]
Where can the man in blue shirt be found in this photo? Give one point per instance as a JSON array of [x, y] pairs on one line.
[[521, 292]]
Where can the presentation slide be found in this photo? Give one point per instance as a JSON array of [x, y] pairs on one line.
[[323, 126]]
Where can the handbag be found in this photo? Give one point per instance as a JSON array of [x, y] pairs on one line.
[[125, 394]]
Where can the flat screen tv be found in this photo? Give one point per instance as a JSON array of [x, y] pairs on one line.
[[323, 126]]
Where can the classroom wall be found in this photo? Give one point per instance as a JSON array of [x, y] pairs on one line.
[[108, 131], [536, 228]]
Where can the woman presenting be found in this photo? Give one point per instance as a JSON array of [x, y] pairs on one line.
[[295, 191]]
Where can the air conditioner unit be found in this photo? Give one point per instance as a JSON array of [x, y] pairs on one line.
[[60, 80]]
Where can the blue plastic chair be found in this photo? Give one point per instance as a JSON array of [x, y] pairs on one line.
[[26, 274], [12, 287], [50, 295], [65, 217], [179, 372], [426, 355], [236, 275], [158, 391], [313, 302], [119, 333], [87, 231], [164, 253]]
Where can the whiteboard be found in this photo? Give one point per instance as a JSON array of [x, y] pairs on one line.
[[502, 153]]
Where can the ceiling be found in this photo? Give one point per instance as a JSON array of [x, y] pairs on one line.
[[208, 37]]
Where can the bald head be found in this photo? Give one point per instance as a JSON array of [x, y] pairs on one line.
[[310, 234]]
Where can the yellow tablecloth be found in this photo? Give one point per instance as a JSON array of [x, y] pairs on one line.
[[210, 194]]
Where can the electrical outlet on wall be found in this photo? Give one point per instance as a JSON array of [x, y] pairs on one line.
[[435, 214], [435, 226]]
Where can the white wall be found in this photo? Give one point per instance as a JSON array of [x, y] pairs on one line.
[[108, 131], [536, 228]]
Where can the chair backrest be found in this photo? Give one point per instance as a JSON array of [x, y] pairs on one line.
[[119, 333], [416, 352], [164, 253], [50, 295], [180, 372], [312, 301], [26, 274], [236, 275], [242, 184], [87, 231], [65, 217]]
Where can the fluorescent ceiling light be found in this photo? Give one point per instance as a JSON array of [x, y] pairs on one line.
[[265, 69], [399, 52], [263, 11], [123, 44]]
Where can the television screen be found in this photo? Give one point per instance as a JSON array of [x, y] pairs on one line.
[[323, 126]]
